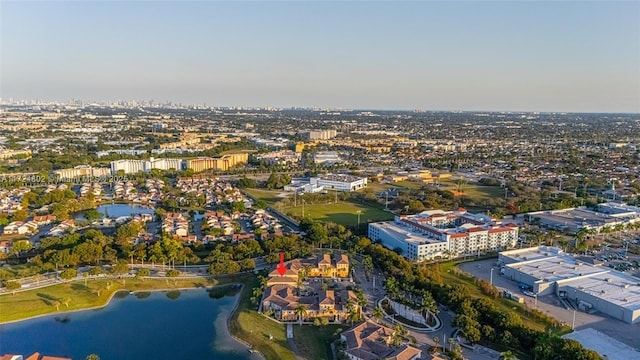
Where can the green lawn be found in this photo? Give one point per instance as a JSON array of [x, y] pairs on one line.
[[269, 196], [316, 340], [41, 301], [255, 329], [481, 192], [343, 212]]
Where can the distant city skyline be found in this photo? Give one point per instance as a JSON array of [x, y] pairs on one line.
[[473, 56]]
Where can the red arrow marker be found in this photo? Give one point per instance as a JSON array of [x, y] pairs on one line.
[[281, 269]]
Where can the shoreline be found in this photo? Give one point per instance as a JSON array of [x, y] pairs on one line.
[[225, 328], [232, 336], [108, 302]]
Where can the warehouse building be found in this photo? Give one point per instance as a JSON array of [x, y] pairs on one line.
[[548, 270]]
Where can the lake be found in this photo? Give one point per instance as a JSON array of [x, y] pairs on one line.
[[154, 325], [117, 210]]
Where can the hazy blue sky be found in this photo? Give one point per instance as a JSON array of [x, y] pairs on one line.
[[538, 56]]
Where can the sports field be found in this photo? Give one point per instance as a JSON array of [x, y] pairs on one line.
[[344, 212]]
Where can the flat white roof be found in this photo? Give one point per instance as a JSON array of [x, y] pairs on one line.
[[532, 253], [606, 346], [556, 268], [404, 233], [613, 286]]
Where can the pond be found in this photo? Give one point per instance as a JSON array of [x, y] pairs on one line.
[[172, 325], [117, 210]]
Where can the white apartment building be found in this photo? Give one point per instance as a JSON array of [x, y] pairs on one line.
[[135, 166], [440, 234], [320, 134], [81, 170]]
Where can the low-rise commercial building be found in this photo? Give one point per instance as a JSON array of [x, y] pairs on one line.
[[574, 219], [439, 234], [548, 270]]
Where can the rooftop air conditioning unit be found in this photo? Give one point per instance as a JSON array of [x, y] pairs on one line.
[[607, 280]]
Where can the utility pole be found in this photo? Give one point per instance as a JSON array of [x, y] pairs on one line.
[[303, 208]]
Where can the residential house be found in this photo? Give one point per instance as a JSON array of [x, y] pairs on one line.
[[369, 341], [44, 219]]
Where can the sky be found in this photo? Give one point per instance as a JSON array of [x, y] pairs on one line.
[[579, 56]]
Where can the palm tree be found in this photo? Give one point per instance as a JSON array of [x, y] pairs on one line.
[[428, 305], [398, 333], [93, 357], [300, 310], [66, 301], [377, 314], [450, 341], [56, 303], [436, 340], [507, 355]]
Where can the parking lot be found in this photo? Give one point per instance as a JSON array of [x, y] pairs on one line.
[[551, 305]]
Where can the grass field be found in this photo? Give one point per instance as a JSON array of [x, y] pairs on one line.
[[269, 196], [36, 302], [316, 340], [343, 212], [474, 191], [255, 329]]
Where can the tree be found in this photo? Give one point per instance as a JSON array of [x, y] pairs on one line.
[[120, 268], [507, 355], [68, 274], [93, 357], [142, 272], [377, 314], [300, 310], [428, 305], [173, 273], [12, 286], [65, 301], [56, 304], [436, 340], [21, 245], [367, 262]]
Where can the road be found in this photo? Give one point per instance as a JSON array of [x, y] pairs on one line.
[[157, 270]]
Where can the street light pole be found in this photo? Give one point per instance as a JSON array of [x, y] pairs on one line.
[[491, 277], [573, 324], [359, 212]]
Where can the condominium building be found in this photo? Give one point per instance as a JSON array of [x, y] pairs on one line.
[[282, 298], [319, 134], [439, 234], [80, 171], [222, 163], [135, 166]]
